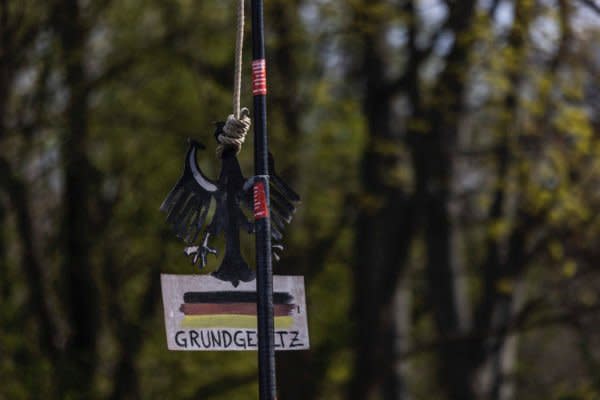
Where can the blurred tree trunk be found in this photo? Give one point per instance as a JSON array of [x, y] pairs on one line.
[[130, 332], [433, 161], [397, 385], [4, 275], [18, 34], [19, 201], [495, 356], [81, 293], [383, 227], [6, 80]]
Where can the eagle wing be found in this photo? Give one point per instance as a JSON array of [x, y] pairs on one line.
[[187, 204]]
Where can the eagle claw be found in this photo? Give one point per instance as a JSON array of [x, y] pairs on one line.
[[200, 253], [275, 248]]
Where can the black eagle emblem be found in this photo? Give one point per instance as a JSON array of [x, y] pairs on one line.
[[187, 206]]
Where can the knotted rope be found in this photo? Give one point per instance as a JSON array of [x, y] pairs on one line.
[[238, 124], [234, 132]]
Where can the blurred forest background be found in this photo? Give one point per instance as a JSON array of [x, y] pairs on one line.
[[447, 156]]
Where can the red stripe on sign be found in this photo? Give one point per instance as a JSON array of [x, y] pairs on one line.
[[259, 77], [261, 210]]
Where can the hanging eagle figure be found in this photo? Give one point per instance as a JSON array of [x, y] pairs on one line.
[[188, 203]]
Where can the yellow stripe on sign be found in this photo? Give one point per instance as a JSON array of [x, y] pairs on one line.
[[231, 321]]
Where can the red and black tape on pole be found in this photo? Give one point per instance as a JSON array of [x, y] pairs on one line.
[[264, 267]]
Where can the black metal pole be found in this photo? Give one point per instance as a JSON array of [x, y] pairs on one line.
[[264, 273]]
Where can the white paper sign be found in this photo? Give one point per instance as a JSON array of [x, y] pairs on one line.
[[204, 313]]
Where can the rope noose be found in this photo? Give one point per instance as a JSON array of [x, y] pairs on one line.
[[237, 124]]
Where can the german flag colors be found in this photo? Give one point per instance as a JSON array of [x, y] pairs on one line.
[[233, 309]]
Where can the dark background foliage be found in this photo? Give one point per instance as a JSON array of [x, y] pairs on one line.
[[446, 153]]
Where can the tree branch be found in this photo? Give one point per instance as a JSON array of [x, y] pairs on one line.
[[519, 324]]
